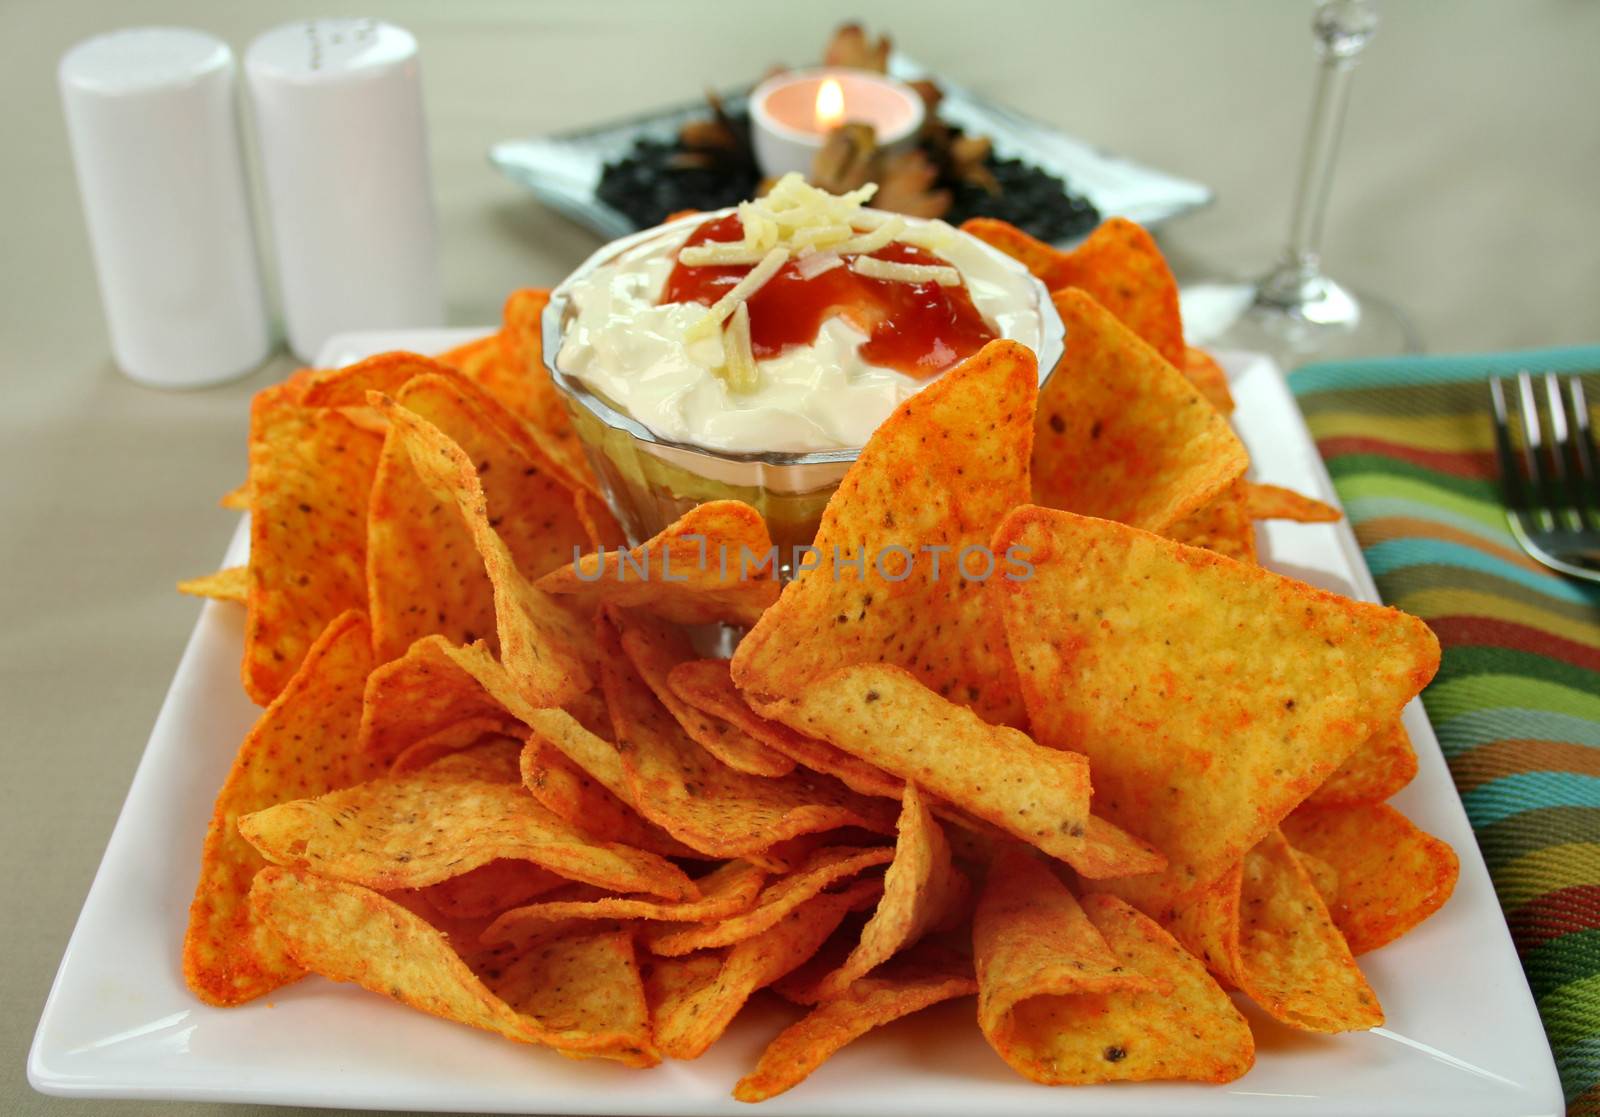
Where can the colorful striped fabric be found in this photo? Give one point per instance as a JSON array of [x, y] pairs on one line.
[[1517, 700]]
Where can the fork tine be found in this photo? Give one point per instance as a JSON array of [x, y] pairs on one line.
[[1516, 492], [1584, 455], [1533, 450], [1564, 484]]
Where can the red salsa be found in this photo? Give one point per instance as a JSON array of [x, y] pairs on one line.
[[919, 329]]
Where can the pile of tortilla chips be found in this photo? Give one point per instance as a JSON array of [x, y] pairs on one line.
[[1036, 727]]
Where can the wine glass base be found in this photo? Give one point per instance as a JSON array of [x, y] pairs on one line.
[[1324, 321]]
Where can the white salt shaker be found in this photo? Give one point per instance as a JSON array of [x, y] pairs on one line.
[[344, 152], [154, 134]]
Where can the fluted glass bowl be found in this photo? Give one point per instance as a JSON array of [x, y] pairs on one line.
[[650, 481]]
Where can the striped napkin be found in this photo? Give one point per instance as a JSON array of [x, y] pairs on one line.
[[1516, 704]]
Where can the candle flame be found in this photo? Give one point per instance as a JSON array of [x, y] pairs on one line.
[[830, 105]]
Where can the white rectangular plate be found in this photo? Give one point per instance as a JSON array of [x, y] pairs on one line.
[[1462, 1034]]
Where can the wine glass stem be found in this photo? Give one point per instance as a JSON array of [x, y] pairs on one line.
[[1316, 167]]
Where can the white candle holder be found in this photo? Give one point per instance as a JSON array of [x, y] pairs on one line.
[[789, 125]]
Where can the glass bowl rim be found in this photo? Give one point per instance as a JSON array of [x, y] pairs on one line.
[[1052, 345]]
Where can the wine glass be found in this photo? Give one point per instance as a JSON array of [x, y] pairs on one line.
[[1295, 312]]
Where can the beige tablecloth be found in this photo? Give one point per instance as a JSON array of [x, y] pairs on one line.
[[1467, 193]]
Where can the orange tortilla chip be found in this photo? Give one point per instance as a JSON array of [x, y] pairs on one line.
[[424, 575], [452, 739], [726, 891], [1380, 766], [1075, 995], [588, 983], [928, 488], [423, 693], [310, 473], [1222, 524], [655, 647], [1277, 683], [575, 794], [884, 716], [231, 583], [712, 564], [822, 869], [416, 830], [490, 889], [692, 1002], [906, 985], [699, 800], [236, 499], [1391, 875], [520, 381], [921, 890], [348, 386], [348, 933], [546, 650], [1202, 370], [303, 744], [1274, 502], [1120, 433], [1118, 264], [707, 685], [471, 357], [1264, 928]]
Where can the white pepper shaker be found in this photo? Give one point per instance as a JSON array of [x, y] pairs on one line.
[[344, 154], [153, 127]]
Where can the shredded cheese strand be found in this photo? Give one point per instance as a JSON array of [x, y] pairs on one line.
[[753, 281], [738, 354], [874, 268]]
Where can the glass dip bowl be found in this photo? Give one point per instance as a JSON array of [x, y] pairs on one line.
[[650, 481]]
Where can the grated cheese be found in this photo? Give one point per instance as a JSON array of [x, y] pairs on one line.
[[874, 268], [753, 281], [738, 354]]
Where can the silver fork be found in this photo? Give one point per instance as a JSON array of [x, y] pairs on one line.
[[1552, 482]]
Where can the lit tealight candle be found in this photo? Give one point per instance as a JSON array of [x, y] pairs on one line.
[[791, 114]]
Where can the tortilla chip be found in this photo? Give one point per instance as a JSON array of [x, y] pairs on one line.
[[726, 891], [424, 575], [491, 889], [884, 716], [940, 472], [709, 565], [573, 793], [1263, 927], [587, 983], [822, 869], [1379, 767], [470, 358], [546, 650], [921, 890], [310, 473], [1118, 264], [522, 383], [699, 800], [655, 647], [1274, 502], [1222, 524], [1202, 370], [1391, 875], [692, 1002], [231, 583], [707, 685], [1202, 756], [236, 499], [423, 693], [348, 933], [1120, 433], [452, 739], [906, 985], [1324, 877], [302, 745], [416, 830]]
